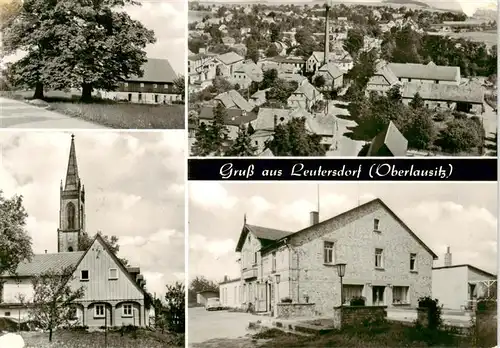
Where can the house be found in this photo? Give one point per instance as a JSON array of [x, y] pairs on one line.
[[112, 292], [332, 75], [235, 118], [226, 63], [201, 67], [232, 99], [468, 98], [305, 96], [458, 287], [382, 81], [156, 86], [388, 143], [386, 262], [426, 73], [203, 296], [294, 65], [337, 55], [229, 292], [259, 97], [246, 73]]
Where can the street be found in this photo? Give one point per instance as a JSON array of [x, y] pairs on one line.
[[204, 325], [345, 147], [17, 114]]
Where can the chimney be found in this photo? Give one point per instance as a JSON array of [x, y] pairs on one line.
[[327, 33], [314, 217], [226, 278], [447, 258]]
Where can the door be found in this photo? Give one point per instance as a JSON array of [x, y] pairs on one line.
[[378, 295]]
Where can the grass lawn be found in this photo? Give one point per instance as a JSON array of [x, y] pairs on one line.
[[111, 114], [76, 339]]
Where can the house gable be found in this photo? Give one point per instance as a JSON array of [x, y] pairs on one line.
[[102, 283]]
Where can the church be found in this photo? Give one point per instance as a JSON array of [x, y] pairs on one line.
[[114, 294]]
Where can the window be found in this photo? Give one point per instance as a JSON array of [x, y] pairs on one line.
[[71, 211], [99, 311], [274, 262], [438, 105], [155, 85], [7, 314], [84, 275], [255, 258], [413, 262], [142, 84], [437, 81], [125, 84], [70, 249], [328, 253], [409, 80], [165, 86], [140, 96], [113, 273], [73, 314], [400, 295], [379, 260], [376, 223], [351, 291], [127, 310]]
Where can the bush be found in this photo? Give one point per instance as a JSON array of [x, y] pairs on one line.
[[433, 311], [357, 301], [486, 305]]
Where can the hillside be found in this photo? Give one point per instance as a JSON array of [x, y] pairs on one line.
[[406, 2]]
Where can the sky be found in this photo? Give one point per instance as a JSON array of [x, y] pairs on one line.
[[168, 19], [134, 189], [460, 215]]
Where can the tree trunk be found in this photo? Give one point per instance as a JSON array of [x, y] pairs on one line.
[[38, 91], [50, 334], [86, 93]]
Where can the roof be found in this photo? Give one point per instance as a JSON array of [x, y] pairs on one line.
[[321, 124], [235, 117], [392, 138], [72, 178], [356, 209], [384, 71], [266, 153], [332, 69], [251, 69], [468, 93], [156, 70], [41, 263], [307, 89], [232, 99], [230, 58], [425, 72], [265, 118], [262, 233], [468, 266], [260, 94], [230, 281]]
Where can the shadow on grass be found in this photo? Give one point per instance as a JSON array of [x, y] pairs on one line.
[[344, 117]]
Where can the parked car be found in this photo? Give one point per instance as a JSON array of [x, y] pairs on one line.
[[213, 304]]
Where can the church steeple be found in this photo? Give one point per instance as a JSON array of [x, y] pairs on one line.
[[72, 179], [72, 206]]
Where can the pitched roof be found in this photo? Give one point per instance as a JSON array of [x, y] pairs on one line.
[[235, 117], [307, 89], [425, 71], [230, 58], [468, 93], [383, 70], [264, 234], [260, 94], [41, 263], [156, 70], [266, 153], [265, 118], [392, 138], [355, 210], [232, 99], [251, 69], [332, 69], [321, 124]]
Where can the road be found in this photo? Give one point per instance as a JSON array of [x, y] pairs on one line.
[[345, 147], [204, 325], [17, 114]]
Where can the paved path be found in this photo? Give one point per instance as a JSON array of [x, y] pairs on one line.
[[17, 114], [204, 325], [345, 147]]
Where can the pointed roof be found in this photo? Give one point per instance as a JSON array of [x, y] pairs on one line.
[[393, 140], [72, 178], [264, 234]]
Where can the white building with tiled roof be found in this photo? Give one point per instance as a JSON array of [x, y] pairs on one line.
[[227, 62], [114, 294]]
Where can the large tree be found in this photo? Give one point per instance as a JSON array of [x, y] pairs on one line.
[[174, 310], [210, 139], [180, 86], [242, 145], [87, 45], [198, 284], [15, 243], [54, 298], [293, 139]]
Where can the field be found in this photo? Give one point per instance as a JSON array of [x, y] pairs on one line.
[[488, 37], [112, 114], [75, 339]]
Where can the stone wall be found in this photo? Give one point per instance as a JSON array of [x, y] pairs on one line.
[[295, 310], [358, 315]]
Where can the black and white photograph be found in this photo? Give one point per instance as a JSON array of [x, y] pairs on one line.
[[342, 264], [92, 239], [349, 78], [93, 64]]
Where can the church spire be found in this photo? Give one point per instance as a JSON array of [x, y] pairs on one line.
[[72, 178]]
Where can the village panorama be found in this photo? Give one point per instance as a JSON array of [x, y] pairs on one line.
[[330, 79]]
